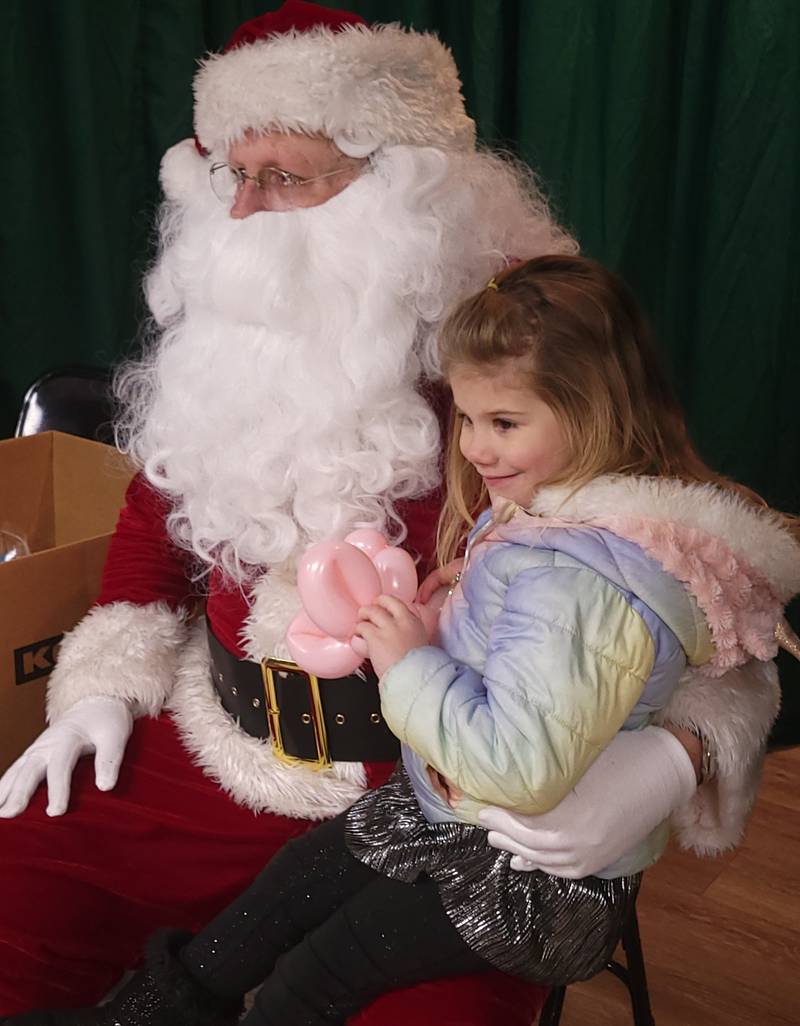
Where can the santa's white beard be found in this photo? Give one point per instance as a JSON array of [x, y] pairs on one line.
[[278, 407]]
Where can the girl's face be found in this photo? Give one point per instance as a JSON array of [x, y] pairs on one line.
[[509, 435]]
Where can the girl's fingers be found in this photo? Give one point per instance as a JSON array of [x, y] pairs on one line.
[[394, 606], [376, 615], [385, 609], [443, 576], [432, 583]]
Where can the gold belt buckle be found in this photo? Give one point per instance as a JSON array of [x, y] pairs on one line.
[[269, 667]]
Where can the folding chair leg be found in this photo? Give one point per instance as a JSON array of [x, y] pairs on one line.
[[551, 1010], [637, 978], [632, 975]]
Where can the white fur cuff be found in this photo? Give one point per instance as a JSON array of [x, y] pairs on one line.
[[122, 650], [734, 713]]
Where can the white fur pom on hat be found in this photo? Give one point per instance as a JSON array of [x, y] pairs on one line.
[[302, 69]]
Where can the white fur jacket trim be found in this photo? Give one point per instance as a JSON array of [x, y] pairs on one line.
[[122, 650], [734, 713]]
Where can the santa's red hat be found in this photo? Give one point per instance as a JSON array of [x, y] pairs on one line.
[[307, 68]]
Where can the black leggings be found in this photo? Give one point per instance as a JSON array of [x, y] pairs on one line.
[[327, 935]]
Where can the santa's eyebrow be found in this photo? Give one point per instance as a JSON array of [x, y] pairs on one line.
[[240, 166]]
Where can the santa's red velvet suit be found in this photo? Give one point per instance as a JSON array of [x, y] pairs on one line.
[[280, 405], [168, 845]]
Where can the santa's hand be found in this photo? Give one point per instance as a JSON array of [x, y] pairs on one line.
[[100, 724], [635, 784], [391, 629], [442, 577]]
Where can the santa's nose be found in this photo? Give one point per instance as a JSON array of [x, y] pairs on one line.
[[249, 200]]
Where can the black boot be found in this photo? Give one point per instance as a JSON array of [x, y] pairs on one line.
[[161, 994]]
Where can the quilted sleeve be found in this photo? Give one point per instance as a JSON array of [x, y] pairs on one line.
[[567, 660]]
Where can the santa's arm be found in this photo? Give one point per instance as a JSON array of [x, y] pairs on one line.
[[118, 663], [646, 776], [127, 645]]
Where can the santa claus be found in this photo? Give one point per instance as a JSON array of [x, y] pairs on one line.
[[331, 209]]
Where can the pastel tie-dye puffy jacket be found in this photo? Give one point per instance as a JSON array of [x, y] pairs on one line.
[[563, 631]]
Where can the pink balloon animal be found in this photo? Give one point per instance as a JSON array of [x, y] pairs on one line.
[[334, 579]]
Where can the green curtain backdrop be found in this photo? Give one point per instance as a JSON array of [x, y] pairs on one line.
[[667, 133]]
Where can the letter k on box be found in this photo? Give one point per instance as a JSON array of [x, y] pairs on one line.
[[60, 496]]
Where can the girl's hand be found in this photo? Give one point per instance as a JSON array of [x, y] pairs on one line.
[[442, 577], [390, 629], [445, 788]]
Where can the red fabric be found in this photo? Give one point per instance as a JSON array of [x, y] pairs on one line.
[[227, 604], [226, 609], [293, 14], [143, 565], [488, 1000], [80, 893]]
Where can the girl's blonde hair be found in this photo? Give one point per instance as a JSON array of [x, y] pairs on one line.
[[574, 328]]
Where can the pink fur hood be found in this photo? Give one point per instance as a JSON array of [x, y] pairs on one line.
[[740, 562]]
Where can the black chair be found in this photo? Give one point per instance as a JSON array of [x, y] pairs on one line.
[[632, 975], [76, 400]]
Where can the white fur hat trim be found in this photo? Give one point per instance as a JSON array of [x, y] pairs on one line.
[[362, 87]]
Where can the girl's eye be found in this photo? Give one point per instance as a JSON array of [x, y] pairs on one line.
[[504, 425]]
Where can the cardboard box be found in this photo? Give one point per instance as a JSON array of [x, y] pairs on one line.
[[62, 495]]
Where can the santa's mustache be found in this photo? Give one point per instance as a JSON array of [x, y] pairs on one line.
[[276, 268]]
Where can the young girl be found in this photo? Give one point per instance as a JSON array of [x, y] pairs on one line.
[[606, 562]]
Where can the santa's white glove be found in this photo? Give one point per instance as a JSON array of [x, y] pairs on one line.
[[101, 725], [630, 788]]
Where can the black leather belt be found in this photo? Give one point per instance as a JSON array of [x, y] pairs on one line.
[[309, 719]]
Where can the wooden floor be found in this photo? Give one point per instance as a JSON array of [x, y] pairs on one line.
[[721, 937]]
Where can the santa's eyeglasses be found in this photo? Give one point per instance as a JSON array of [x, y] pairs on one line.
[[227, 180]]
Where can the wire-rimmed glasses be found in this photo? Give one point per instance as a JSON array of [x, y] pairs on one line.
[[227, 180]]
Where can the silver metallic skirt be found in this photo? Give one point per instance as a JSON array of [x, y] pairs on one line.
[[546, 929]]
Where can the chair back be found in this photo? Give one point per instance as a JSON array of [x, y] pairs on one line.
[[76, 400]]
